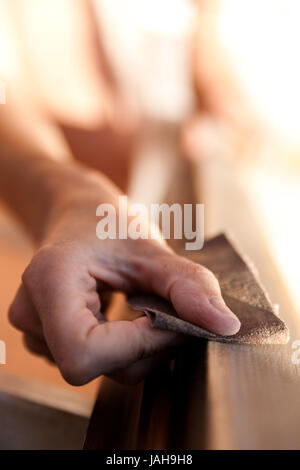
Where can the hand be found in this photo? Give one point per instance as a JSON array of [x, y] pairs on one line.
[[224, 111], [58, 305]]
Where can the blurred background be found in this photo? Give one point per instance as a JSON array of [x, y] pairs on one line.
[[215, 82]]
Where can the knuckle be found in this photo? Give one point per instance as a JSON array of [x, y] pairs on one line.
[[194, 270], [198, 270], [75, 369], [53, 264], [73, 373], [203, 271], [40, 264], [210, 281], [46, 270]]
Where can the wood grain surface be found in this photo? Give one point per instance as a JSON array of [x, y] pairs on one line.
[[212, 395]]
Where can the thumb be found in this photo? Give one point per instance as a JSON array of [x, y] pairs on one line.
[[192, 289]]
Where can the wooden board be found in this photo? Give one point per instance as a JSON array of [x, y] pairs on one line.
[[26, 425], [213, 395]]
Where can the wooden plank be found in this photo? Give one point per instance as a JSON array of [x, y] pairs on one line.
[[114, 422], [26, 425], [253, 392], [47, 394], [217, 396]]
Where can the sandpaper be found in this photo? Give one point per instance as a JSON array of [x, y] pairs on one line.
[[241, 290]]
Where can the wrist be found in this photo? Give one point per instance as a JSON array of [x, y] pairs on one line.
[[73, 195]]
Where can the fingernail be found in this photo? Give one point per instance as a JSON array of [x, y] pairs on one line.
[[223, 310]]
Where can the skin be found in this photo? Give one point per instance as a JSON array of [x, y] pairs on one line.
[[223, 109], [58, 304]]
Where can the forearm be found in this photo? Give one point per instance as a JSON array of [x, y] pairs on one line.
[[36, 188]]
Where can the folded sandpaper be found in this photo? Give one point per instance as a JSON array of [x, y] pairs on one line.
[[241, 291]]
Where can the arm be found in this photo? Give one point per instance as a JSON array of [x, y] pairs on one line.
[[58, 304], [58, 307]]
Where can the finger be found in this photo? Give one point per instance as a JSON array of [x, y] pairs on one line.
[[23, 315], [83, 347], [193, 290], [103, 348], [136, 372]]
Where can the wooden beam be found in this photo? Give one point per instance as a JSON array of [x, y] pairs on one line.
[[212, 396]]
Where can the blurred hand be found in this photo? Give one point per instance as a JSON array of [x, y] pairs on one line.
[[223, 111]]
